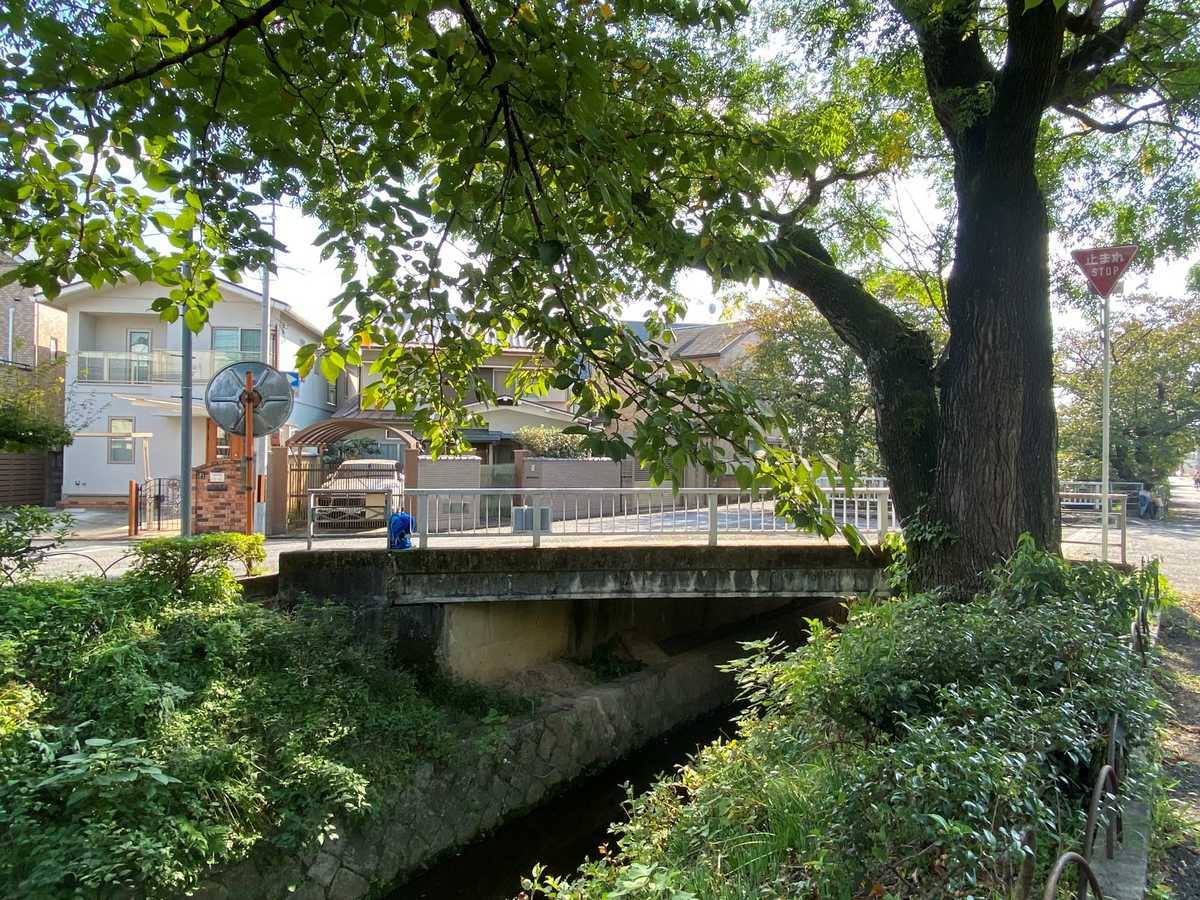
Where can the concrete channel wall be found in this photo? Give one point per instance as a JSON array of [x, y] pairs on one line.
[[489, 781]]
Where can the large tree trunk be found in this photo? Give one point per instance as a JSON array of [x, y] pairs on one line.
[[969, 445], [996, 473]]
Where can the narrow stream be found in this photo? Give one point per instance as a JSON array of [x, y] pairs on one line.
[[561, 833]]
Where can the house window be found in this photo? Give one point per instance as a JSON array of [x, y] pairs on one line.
[[138, 342], [120, 450], [331, 393], [224, 448], [238, 343]]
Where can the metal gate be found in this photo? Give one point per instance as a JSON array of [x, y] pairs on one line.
[[305, 472], [158, 506]]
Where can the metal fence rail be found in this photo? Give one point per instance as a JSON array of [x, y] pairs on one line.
[[1083, 512], [1129, 488], [638, 512]]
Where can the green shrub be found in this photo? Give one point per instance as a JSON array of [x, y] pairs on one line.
[[177, 560], [25, 533], [906, 755], [147, 733], [542, 440]]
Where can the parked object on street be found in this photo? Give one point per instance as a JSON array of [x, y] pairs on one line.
[[360, 494], [400, 529]]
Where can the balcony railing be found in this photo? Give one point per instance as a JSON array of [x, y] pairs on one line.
[[156, 367]]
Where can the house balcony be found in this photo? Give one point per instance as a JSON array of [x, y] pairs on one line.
[[154, 367]]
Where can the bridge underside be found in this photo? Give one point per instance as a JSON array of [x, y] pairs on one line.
[[486, 613]]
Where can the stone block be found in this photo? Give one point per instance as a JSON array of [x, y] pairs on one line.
[[362, 852], [348, 885], [324, 868]]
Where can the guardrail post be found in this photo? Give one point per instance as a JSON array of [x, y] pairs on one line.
[[535, 525], [311, 518], [423, 521], [881, 513], [1124, 523], [712, 519]]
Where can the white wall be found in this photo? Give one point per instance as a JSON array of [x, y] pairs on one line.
[[98, 320], [509, 418], [87, 471]]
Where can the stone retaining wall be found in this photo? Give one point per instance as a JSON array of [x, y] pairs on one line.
[[488, 782]]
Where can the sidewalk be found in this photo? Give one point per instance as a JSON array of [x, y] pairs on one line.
[[1179, 679]]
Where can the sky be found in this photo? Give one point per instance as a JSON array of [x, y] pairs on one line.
[[309, 284]]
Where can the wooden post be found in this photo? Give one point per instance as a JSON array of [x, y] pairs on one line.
[[278, 483], [412, 467], [133, 511], [248, 405]]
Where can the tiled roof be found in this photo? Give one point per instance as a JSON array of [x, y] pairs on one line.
[[693, 340]]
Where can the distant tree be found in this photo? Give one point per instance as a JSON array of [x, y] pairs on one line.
[[350, 448], [483, 170], [813, 381], [31, 408], [1155, 393]]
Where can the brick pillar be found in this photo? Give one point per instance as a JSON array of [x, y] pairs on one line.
[[519, 457], [219, 497]]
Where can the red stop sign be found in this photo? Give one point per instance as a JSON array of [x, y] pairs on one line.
[[1104, 266]]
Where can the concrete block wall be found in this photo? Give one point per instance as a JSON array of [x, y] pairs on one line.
[[486, 783], [566, 474], [451, 513]]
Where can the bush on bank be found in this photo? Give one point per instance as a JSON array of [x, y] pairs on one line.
[[155, 724], [907, 755]]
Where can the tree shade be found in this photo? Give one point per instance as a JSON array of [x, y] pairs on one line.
[[481, 169]]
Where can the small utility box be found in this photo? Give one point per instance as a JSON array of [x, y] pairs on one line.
[[525, 517]]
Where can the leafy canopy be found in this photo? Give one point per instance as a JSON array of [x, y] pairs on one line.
[[814, 382], [1155, 393], [483, 170]]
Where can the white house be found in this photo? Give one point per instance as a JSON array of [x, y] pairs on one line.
[[123, 375]]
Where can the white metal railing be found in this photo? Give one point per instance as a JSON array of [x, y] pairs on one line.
[[347, 511], [645, 512], [154, 367], [476, 513], [1082, 513], [1130, 488]]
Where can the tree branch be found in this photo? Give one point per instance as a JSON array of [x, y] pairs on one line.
[[238, 25], [1083, 64]]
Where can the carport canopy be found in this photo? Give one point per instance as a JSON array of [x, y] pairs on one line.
[[330, 431]]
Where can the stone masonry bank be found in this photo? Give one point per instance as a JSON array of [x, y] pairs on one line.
[[490, 780]]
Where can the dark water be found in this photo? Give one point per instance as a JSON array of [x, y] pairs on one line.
[[561, 833]]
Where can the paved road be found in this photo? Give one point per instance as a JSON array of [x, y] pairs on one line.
[[1176, 540]]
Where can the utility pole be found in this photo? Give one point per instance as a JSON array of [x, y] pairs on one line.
[[260, 509]]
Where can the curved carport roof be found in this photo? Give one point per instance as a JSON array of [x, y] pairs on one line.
[[330, 431]]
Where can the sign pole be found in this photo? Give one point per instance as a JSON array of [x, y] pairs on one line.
[[265, 346], [249, 404], [1105, 434], [1103, 268]]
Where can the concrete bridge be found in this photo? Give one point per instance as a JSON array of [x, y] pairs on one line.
[[485, 613]]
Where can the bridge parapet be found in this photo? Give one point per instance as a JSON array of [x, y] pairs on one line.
[[485, 613]]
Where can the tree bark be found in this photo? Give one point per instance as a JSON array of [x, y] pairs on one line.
[[997, 470]]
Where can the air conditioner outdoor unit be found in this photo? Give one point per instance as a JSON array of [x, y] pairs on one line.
[[522, 519]]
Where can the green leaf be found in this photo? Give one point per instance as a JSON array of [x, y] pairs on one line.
[[551, 251]]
